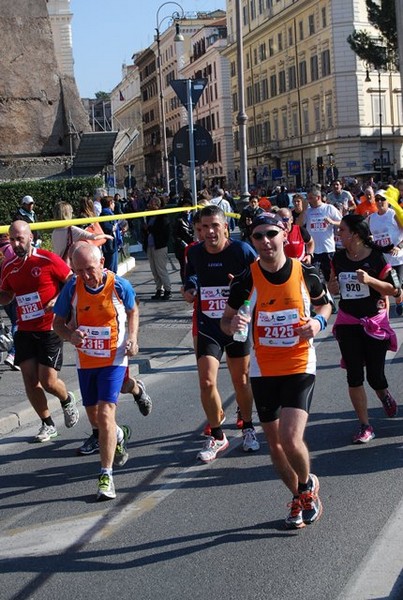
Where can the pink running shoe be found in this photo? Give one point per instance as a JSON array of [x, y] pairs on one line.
[[364, 435]]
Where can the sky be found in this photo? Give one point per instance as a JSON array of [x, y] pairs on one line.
[[106, 33]]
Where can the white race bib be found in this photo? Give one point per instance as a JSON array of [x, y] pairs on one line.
[[351, 288], [30, 306], [277, 328], [97, 341], [213, 300]]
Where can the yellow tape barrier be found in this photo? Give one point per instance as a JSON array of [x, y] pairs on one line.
[[123, 217]]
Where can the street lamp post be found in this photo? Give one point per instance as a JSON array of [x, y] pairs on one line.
[[178, 37], [368, 80], [242, 117]]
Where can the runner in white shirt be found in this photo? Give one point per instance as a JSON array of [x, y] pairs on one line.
[[320, 221], [385, 231]]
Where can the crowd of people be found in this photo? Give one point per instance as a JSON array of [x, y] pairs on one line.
[[302, 252]]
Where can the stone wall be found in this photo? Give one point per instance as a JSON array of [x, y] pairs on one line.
[[36, 102]]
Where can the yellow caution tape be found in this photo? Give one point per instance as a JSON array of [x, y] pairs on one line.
[[123, 217]]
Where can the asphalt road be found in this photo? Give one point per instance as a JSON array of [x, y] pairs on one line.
[[182, 530]]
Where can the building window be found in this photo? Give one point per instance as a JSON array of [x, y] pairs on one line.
[[236, 140], [247, 60], [285, 123], [311, 24], [234, 102], [329, 112], [249, 96], [252, 10], [294, 121], [303, 78], [290, 37], [264, 89], [399, 109], [261, 7], [259, 134], [378, 109], [245, 15], [316, 111], [301, 30], [251, 136], [255, 56], [257, 93], [233, 69], [305, 118], [273, 86], [280, 42], [292, 78], [281, 82], [275, 126], [266, 131], [271, 47], [324, 17], [262, 52], [314, 68], [325, 59]]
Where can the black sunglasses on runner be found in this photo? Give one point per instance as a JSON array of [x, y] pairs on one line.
[[269, 234]]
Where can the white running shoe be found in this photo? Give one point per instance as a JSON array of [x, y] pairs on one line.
[[211, 448], [106, 487], [250, 443], [70, 410], [46, 433]]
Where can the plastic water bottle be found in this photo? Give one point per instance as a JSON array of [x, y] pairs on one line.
[[242, 334]]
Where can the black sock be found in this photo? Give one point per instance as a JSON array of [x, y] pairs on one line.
[[48, 421], [304, 487], [247, 425], [64, 402], [217, 433], [95, 433]]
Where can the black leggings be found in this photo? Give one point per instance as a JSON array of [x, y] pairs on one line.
[[358, 350]]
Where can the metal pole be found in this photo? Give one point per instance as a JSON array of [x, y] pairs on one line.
[[242, 116], [380, 124], [164, 155], [192, 165]]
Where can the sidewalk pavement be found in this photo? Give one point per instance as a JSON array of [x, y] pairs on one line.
[[165, 333]]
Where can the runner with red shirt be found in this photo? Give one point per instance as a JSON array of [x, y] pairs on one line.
[[33, 278]]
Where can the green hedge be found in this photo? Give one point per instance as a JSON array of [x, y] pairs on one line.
[[46, 194]]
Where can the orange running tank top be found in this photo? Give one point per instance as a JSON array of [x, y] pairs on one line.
[[277, 311]]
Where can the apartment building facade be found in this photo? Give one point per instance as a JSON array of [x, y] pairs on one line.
[[311, 114], [60, 16]]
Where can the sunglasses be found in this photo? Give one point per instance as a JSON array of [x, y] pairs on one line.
[[380, 199], [269, 234]]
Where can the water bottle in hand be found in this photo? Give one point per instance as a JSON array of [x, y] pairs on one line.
[[242, 334]]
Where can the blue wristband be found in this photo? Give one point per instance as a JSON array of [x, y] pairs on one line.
[[322, 321]]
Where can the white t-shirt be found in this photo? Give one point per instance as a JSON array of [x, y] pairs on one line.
[[344, 197], [322, 231], [385, 231]]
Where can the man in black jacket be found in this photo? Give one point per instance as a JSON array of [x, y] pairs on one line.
[[155, 243]]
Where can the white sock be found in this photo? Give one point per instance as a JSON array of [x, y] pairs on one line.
[[119, 434]]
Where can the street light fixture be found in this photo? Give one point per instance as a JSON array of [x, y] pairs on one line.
[[368, 80], [178, 38]]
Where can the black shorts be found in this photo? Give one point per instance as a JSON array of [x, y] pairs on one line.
[[209, 345], [271, 394], [44, 346]]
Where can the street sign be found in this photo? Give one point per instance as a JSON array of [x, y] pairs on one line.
[[180, 88], [294, 167], [276, 174], [203, 145]]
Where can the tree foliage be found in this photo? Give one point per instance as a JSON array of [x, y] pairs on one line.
[[380, 51], [102, 95]]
